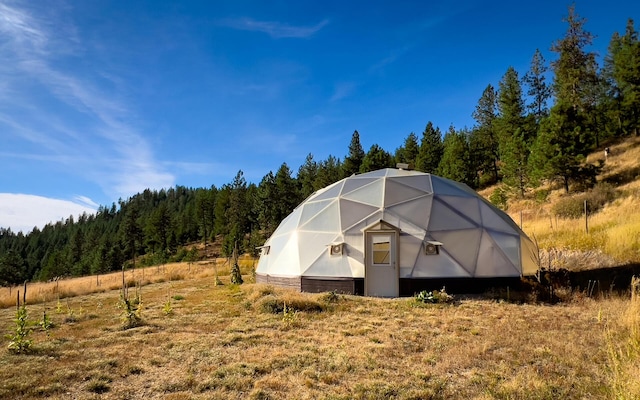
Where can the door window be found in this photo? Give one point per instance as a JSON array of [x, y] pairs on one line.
[[381, 249]]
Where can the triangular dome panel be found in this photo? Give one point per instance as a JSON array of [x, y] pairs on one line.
[[419, 182], [289, 224], [329, 192], [494, 219], [463, 245], [284, 253], [444, 218], [441, 266], [314, 245], [469, 206], [395, 193], [328, 266], [370, 194], [417, 210], [312, 208], [352, 212], [327, 220], [510, 245], [492, 262], [355, 183], [445, 187], [529, 256], [411, 247]]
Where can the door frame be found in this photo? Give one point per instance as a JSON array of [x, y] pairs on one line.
[[381, 227]]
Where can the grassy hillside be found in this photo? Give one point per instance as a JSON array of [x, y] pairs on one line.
[[613, 236]]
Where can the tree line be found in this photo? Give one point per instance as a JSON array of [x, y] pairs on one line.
[[534, 128]]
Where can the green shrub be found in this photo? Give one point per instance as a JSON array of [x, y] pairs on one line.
[[499, 198], [596, 198], [541, 195], [19, 341]]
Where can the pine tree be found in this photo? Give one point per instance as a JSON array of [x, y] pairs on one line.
[[515, 137], [329, 171], [455, 163], [408, 153], [484, 140], [538, 90], [623, 62], [307, 175], [131, 232], [376, 158], [575, 68], [431, 149], [286, 193], [565, 137], [356, 155], [264, 204]]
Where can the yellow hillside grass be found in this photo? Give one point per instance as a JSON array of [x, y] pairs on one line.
[[613, 235], [38, 292], [614, 231], [624, 349]]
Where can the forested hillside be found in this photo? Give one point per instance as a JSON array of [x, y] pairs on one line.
[[533, 128]]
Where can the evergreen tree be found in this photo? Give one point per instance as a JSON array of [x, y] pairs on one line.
[[356, 155], [538, 90], [159, 226], [131, 232], [286, 193], [408, 153], [623, 62], [514, 135], [565, 137], [455, 163], [329, 171], [376, 158], [307, 175], [265, 204], [575, 68], [205, 212], [560, 147], [484, 140], [237, 212], [431, 149]]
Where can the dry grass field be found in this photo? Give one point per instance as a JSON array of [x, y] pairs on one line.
[[202, 341], [199, 340]]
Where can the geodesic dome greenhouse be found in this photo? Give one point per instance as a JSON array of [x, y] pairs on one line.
[[393, 232]]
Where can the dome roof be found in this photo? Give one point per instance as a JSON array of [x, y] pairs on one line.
[[472, 237]]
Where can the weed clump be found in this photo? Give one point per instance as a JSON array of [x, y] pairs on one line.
[[276, 304], [19, 341], [434, 297], [131, 314]]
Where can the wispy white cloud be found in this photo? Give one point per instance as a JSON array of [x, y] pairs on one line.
[[391, 58], [342, 90], [107, 148], [23, 212], [276, 30]]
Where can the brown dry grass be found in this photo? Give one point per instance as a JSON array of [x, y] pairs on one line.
[[222, 342], [38, 292]]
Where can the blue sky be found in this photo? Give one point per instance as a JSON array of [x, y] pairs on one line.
[[102, 99]]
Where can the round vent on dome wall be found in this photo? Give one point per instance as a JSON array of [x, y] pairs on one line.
[[335, 249]]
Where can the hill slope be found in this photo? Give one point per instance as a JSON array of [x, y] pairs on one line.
[[613, 236]]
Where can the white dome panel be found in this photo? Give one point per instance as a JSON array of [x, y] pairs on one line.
[[417, 182], [444, 218]]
